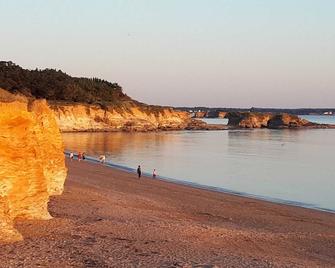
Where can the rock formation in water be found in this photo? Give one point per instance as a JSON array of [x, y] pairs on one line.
[[222, 114], [195, 124], [289, 121], [200, 114], [32, 163], [268, 120], [248, 120], [211, 113]]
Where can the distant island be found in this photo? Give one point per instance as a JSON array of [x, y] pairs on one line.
[[208, 112]]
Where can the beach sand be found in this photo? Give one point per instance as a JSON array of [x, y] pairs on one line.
[[109, 218]]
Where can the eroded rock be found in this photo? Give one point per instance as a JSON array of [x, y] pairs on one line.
[[247, 119], [32, 163], [288, 121], [268, 120]]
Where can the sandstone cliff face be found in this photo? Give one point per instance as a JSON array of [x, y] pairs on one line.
[[84, 117], [32, 163]]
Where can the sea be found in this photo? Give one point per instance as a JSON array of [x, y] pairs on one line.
[[295, 167]]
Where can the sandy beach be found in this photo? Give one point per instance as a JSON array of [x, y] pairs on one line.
[[109, 218]]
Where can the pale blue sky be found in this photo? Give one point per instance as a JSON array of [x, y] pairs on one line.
[[227, 53]]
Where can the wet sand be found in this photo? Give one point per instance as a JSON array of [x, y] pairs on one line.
[[109, 218]]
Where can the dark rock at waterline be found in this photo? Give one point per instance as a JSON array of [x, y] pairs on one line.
[[288, 121], [195, 124], [248, 119]]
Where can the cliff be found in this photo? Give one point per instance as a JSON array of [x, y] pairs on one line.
[[129, 116], [92, 104], [32, 163], [268, 120]]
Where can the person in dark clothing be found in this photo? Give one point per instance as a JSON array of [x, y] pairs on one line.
[[139, 171]]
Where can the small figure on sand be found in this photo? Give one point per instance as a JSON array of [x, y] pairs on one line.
[[139, 171], [80, 156], [84, 156], [102, 159], [154, 174], [71, 156]]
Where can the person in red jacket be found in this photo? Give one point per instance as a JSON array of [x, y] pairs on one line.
[[80, 156]]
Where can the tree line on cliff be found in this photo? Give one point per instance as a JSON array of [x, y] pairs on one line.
[[56, 85]]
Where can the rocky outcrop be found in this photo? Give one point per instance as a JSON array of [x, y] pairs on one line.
[[209, 114], [196, 124], [126, 117], [222, 114], [248, 120], [289, 121], [268, 120], [200, 114], [32, 163]]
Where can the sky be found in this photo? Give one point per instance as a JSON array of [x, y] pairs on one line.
[[216, 53]]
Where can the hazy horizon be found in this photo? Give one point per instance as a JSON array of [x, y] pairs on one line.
[[183, 53]]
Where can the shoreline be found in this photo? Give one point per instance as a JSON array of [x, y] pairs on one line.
[[210, 127], [215, 189], [107, 217]]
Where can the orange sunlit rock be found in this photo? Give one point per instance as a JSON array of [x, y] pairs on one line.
[[32, 163], [84, 117]]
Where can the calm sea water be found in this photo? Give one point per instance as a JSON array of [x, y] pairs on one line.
[[295, 166], [321, 119]]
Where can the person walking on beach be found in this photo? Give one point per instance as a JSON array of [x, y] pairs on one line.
[[80, 156], [102, 159], [139, 171], [154, 174], [71, 156], [84, 156]]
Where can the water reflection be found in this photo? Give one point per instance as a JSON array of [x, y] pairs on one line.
[[296, 165], [115, 143]]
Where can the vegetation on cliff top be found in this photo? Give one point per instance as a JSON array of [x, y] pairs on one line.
[[55, 85]]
